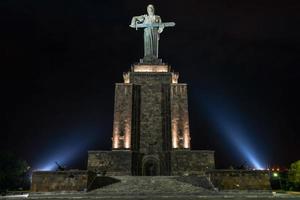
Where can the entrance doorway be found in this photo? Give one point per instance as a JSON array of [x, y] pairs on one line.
[[151, 167]]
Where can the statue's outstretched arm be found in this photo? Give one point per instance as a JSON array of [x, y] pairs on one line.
[[137, 19], [161, 27]]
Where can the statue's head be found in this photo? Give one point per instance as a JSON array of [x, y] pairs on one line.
[[150, 9]]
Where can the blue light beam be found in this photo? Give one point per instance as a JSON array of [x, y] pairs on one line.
[[228, 122], [63, 152]]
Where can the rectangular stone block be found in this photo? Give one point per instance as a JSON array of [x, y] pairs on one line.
[[150, 68], [51, 181], [240, 179], [110, 163], [187, 162]]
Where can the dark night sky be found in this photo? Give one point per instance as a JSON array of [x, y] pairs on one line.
[[61, 58]]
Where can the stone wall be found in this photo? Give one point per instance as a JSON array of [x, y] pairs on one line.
[[48, 181], [179, 116], [112, 163], [152, 115], [122, 116], [187, 162], [240, 179]]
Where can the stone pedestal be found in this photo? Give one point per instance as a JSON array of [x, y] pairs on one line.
[[151, 124]]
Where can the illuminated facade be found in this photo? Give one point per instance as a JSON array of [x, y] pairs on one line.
[[151, 134], [150, 79]]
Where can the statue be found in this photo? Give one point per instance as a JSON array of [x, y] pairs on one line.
[[126, 77], [153, 26], [175, 77]]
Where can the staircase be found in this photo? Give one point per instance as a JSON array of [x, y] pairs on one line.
[[155, 185]]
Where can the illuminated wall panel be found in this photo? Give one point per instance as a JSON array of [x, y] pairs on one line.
[[122, 116], [179, 117]]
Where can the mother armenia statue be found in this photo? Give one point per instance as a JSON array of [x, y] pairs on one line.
[[153, 26]]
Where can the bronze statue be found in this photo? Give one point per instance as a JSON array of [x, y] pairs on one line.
[[153, 26]]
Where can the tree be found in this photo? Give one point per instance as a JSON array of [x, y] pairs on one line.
[[13, 172], [294, 175]]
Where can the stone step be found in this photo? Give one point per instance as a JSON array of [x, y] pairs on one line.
[[187, 196], [155, 185]]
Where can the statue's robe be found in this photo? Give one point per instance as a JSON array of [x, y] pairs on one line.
[[151, 37]]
